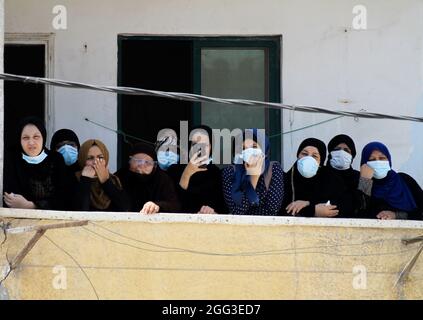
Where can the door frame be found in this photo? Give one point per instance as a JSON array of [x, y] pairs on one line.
[[46, 39]]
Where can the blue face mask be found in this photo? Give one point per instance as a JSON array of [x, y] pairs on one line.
[[237, 159], [35, 160], [307, 166], [69, 153], [381, 168], [166, 159]]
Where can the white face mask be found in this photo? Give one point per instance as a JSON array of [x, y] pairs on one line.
[[307, 166], [381, 168], [251, 152], [340, 160], [35, 160]]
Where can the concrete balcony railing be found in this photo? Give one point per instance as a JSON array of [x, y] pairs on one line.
[[190, 256]]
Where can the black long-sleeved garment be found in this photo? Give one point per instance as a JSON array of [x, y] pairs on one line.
[[47, 184], [204, 189], [119, 200], [371, 206], [350, 177], [323, 187], [156, 187]]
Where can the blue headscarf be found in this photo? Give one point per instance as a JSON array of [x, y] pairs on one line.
[[392, 189], [242, 181]]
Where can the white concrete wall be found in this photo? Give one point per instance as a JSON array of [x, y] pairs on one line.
[[378, 70]]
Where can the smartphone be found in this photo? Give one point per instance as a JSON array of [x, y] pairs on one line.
[[203, 166]]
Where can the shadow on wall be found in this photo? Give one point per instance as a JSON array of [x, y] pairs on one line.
[[414, 164]]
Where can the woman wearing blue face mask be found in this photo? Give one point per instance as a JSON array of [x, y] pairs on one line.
[[35, 177], [199, 183], [254, 184], [387, 194], [312, 189], [66, 142], [167, 149], [167, 158]]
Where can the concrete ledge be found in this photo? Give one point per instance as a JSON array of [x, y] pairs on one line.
[[209, 219], [191, 256]]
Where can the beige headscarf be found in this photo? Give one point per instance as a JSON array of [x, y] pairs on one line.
[[99, 198]]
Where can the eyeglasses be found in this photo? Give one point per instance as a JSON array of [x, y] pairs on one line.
[[92, 158], [140, 162]]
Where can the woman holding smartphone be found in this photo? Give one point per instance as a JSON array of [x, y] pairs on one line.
[[199, 182]]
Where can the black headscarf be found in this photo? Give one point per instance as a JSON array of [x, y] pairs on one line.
[[301, 188], [342, 138], [209, 133], [136, 177], [64, 135], [350, 176], [144, 148], [141, 188], [34, 121], [313, 142]]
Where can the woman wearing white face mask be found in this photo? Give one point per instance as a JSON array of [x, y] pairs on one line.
[[254, 186], [313, 190], [35, 177], [341, 155], [387, 194]]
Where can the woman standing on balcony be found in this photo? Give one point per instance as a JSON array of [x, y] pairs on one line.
[[254, 185], [341, 155], [150, 190], [66, 142], [97, 189], [167, 149], [34, 177], [312, 189], [199, 183], [387, 194]]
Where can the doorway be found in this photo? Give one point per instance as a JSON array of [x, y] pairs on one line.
[[22, 99]]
